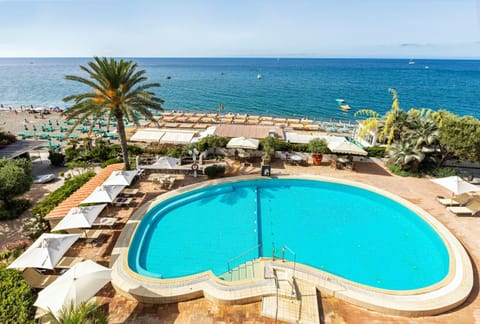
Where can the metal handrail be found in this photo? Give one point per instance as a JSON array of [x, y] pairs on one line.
[[285, 247], [241, 255]]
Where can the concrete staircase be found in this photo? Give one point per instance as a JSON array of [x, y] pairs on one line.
[[248, 270], [295, 302]]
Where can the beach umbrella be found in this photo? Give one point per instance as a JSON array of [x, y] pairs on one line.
[[166, 162], [77, 285], [80, 217], [456, 185], [45, 252], [243, 143], [103, 194], [120, 178]]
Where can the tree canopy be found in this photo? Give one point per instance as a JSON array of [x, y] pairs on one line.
[[117, 90]]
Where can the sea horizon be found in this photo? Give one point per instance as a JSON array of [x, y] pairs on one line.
[[277, 86]]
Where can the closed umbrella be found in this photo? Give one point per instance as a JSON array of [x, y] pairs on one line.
[[456, 185], [45, 252], [77, 285]]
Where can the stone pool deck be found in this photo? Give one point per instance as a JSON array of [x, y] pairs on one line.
[[421, 192]]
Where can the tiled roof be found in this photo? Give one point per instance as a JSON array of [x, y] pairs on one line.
[[83, 192]]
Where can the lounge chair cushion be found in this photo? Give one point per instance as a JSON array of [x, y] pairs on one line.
[[459, 210]]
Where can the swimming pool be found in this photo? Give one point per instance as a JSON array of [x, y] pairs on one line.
[[337, 233], [352, 233]]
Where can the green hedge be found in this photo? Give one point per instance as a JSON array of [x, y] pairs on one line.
[[37, 225], [375, 151], [16, 298], [108, 162], [214, 170], [53, 199], [395, 169]]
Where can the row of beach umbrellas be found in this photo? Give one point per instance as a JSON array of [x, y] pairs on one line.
[[84, 279]]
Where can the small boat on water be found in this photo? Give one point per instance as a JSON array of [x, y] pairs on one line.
[[342, 104], [411, 62], [259, 76]]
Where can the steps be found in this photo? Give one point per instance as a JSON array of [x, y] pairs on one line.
[[296, 301], [248, 270]]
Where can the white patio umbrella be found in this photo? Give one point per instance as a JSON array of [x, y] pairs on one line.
[[243, 143], [103, 194], [120, 178], [45, 252], [345, 147], [78, 284], [166, 162], [456, 185], [80, 217]]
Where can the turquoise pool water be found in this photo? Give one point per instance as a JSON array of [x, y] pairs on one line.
[[350, 232]]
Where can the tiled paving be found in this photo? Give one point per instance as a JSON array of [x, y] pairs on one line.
[[331, 310]]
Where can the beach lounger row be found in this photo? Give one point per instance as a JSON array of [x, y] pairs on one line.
[[472, 208]]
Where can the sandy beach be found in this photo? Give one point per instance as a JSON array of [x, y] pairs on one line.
[[15, 120]]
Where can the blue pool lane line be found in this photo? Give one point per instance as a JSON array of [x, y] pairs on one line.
[[259, 222]]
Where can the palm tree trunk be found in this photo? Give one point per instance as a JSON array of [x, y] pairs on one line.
[[123, 140]]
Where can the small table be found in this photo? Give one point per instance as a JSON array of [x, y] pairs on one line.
[[129, 192], [105, 221], [122, 201]]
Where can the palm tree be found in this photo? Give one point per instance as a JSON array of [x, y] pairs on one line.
[[87, 312], [425, 132], [406, 154], [117, 89]]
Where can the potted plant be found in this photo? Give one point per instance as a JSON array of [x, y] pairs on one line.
[[317, 147], [268, 146]]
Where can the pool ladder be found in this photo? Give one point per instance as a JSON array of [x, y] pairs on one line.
[[248, 264], [286, 249]]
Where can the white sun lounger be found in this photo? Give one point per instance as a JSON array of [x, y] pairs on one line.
[[458, 200], [471, 209]]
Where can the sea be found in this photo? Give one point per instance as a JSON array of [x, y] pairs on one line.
[[287, 87]]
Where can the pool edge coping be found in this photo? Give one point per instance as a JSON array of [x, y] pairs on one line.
[[450, 292]]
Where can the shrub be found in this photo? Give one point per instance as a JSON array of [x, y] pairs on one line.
[[12, 250], [102, 152], [135, 149], [299, 147], [443, 172], [56, 159], [212, 141], [16, 298], [375, 151], [318, 145], [37, 225], [395, 169], [15, 179], [108, 162], [6, 138], [14, 208], [215, 170], [87, 312], [175, 152]]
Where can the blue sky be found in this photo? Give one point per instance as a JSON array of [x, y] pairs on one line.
[[256, 28]]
